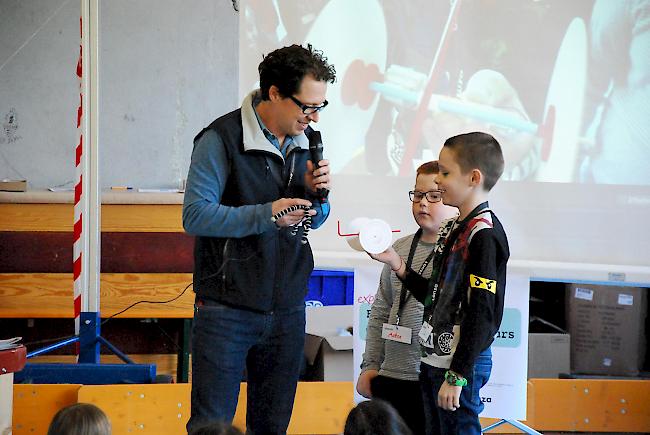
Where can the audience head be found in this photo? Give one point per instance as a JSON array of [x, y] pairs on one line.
[[217, 428], [375, 417], [80, 419]]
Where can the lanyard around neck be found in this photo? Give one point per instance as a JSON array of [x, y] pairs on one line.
[[436, 274], [404, 293]]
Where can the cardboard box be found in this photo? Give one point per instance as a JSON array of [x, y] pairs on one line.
[[548, 355], [607, 327], [328, 343]]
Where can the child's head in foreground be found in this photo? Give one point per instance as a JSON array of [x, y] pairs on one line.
[[80, 419], [217, 428], [375, 417]]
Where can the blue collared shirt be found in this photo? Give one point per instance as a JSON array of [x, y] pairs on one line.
[[289, 143], [203, 213]]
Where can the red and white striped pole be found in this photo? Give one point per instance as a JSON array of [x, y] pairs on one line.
[[86, 247], [77, 246]]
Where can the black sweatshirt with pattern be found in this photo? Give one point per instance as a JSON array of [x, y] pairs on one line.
[[463, 300]]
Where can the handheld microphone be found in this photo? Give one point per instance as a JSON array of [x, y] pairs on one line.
[[316, 151]]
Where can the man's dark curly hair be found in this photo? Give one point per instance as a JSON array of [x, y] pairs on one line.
[[286, 67]]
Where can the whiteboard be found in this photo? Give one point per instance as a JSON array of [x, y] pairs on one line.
[[166, 70]]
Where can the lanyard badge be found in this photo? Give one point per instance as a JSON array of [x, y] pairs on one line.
[[400, 334], [426, 334]]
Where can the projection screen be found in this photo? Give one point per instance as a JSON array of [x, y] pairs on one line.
[[564, 87]]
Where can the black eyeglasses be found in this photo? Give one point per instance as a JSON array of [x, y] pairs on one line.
[[431, 195], [306, 108]]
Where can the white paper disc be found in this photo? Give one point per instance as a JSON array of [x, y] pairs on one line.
[[375, 236]]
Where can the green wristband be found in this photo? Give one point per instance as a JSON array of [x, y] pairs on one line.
[[455, 379]]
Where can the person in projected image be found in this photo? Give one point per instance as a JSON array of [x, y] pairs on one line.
[[391, 366], [268, 24], [500, 63], [618, 129], [251, 271], [490, 88], [486, 89]]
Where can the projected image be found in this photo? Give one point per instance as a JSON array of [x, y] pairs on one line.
[[562, 85]]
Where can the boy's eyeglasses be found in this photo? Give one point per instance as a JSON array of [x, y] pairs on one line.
[[306, 108], [431, 195]]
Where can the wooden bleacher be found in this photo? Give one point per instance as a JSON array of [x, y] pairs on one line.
[[145, 256], [44, 294], [612, 406]]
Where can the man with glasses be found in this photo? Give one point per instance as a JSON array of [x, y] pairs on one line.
[[251, 271], [390, 366]]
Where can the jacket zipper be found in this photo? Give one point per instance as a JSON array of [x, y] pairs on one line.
[[224, 260]]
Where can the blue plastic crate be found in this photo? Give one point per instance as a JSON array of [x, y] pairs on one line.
[[330, 287]]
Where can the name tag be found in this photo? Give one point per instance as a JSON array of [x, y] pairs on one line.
[[401, 334], [425, 332]]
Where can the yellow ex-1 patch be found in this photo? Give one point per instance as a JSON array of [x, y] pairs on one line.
[[484, 283]]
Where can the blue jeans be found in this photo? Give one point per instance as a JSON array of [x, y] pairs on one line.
[[463, 421], [270, 346]]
